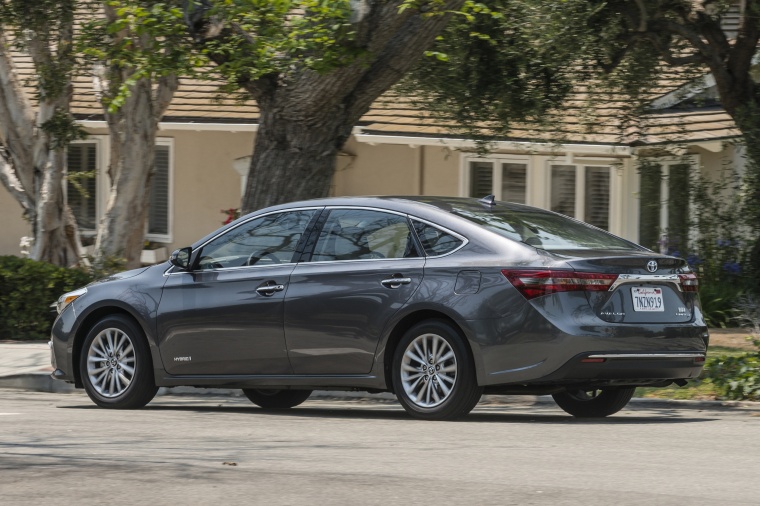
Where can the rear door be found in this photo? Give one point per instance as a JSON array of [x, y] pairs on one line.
[[363, 268]]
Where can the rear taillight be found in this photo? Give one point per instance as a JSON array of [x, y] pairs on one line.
[[689, 282], [536, 283]]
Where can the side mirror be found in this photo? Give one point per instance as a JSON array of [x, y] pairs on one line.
[[181, 258]]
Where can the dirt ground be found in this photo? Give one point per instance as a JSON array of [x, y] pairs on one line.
[[732, 338]]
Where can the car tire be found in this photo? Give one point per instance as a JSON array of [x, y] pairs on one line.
[[115, 364], [276, 399], [440, 385], [594, 403]]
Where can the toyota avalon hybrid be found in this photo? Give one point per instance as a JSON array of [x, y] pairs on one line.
[[435, 299]]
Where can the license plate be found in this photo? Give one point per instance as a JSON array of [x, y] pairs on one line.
[[647, 299]]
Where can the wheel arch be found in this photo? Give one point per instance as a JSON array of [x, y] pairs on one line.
[[406, 323], [89, 321]]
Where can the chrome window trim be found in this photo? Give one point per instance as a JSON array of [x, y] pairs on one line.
[[648, 355], [646, 278], [459, 236], [406, 216], [361, 260]]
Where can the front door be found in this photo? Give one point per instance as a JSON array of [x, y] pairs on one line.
[[226, 315]]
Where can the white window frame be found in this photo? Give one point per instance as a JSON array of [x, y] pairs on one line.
[[101, 178], [103, 184], [580, 164], [496, 160], [166, 238]]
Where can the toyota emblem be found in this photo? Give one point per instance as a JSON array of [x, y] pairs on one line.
[[652, 266]]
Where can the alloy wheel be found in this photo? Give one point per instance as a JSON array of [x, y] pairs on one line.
[[428, 370], [111, 362]]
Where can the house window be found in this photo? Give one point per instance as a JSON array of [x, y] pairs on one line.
[[81, 184], [505, 178], [582, 192], [88, 184], [158, 212], [664, 204]]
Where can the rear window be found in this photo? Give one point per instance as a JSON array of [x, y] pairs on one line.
[[544, 230]]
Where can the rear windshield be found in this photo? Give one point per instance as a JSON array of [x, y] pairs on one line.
[[544, 230]]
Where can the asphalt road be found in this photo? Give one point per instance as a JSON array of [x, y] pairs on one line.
[[61, 449]]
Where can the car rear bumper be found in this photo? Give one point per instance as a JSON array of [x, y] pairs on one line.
[[627, 368], [510, 353]]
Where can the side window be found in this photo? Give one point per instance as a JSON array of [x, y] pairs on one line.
[[357, 234], [267, 240], [434, 240]]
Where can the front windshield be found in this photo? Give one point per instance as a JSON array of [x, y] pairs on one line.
[[543, 230]]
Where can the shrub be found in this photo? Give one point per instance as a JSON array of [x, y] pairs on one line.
[[27, 288], [737, 377]]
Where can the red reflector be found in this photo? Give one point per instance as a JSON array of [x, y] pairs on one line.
[[699, 360], [593, 360], [535, 283], [689, 282]]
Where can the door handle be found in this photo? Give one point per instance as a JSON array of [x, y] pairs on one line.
[[395, 282], [269, 290]]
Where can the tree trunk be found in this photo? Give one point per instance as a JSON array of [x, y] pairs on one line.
[[56, 236], [121, 232], [33, 160], [307, 117], [293, 160]]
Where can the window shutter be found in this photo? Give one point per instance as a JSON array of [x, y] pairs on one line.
[[514, 182], [679, 197], [481, 179], [81, 184], [563, 190], [597, 208], [650, 196], [158, 212]]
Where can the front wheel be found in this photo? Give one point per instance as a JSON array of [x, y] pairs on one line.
[[276, 399], [596, 403], [115, 364], [432, 374]]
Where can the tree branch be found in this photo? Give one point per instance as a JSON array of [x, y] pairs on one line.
[[12, 183], [745, 47], [163, 95], [16, 119]]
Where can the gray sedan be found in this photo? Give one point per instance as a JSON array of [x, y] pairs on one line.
[[435, 299]]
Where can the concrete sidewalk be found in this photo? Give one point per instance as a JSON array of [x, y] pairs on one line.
[[26, 365]]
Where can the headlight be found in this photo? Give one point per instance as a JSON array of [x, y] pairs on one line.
[[67, 298]]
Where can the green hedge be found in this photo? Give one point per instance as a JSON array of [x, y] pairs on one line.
[[27, 288]]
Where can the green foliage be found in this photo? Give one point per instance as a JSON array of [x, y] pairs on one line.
[[501, 62], [736, 377], [264, 38], [719, 253], [141, 39], [63, 129], [27, 288], [718, 300], [42, 25]]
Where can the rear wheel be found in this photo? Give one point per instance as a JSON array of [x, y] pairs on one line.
[[276, 399], [115, 364], [433, 375], [595, 403]]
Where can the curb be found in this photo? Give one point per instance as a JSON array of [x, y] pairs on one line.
[[44, 383]]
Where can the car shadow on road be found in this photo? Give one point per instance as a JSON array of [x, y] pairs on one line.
[[486, 414]]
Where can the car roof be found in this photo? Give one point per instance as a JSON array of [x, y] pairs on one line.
[[435, 208]]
